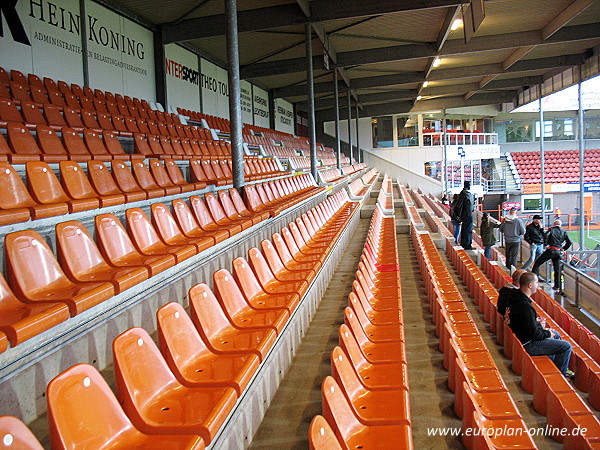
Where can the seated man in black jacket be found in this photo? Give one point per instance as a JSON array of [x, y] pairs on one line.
[[522, 320], [507, 291]]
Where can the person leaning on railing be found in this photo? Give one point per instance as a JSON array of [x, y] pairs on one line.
[[557, 241]]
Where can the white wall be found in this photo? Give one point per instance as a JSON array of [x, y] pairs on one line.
[[182, 73], [261, 107], [284, 116], [215, 89], [365, 131]]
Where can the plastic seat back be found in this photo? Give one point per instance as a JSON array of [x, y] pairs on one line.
[[206, 313], [174, 172], [113, 240], [197, 172], [95, 146], [260, 266], [228, 292], [227, 205], [141, 229], [101, 179], [74, 143], [13, 193], [203, 215], [141, 145], [31, 114], [337, 411], [144, 177], [141, 373], [53, 116], [178, 339], [21, 141], [185, 218], [9, 112], [14, 434], [31, 266], [124, 177], [76, 183], [89, 119], [321, 436], [83, 409], [215, 208], [165, 224], [246, 279], [113, 145], [20, 91], [238, 202], [72, 117], [77, 251], [159, 174], [43, 183]]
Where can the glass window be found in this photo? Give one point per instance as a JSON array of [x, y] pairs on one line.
[[383, 132]]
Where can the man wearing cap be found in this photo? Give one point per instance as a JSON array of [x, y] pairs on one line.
[[557, 240], [513, 229], [534, 236]]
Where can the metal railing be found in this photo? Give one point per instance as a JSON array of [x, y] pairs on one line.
[[493, 185], [440, 138]]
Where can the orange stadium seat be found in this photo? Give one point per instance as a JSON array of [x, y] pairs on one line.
[[192, 362]]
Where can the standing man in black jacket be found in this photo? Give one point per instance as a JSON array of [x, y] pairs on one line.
[[462, 212], [557, 240], [522, 320], [534, 236]]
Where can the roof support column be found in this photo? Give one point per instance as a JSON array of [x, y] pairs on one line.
[[235, 104], [581, 173], [338, 143], [358, 156], [542, 160], [350, 124], [312, 132]]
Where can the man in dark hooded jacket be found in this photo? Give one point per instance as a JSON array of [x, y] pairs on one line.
[[507, 291]]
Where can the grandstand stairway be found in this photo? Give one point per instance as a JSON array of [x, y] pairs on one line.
[[502, 166]]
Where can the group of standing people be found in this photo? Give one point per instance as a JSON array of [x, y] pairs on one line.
[[544, 246]]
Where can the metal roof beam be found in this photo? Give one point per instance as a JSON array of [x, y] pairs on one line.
[[292, 14], [419, 51]]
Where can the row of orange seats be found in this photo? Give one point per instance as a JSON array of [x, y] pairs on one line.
[[366, 400], [271, 196], [360, 187], [331, 176], [482, 399], [31, 115], [214, 122], [176, 148], [553, 395], [178, 394], [46, 196], [87, 273]]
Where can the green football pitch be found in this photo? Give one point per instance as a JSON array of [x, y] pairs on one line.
[[592, 237]]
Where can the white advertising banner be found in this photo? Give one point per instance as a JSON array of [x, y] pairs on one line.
[[43, 38], [183, 78], [246, 101], [120, 54], [215, 89], [284, 116], [468, 152], [260, 105]]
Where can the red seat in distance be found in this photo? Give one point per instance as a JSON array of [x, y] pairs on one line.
[[74, 399], [153, 398], [35, 275], [192, 362]]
